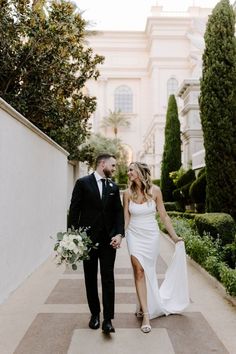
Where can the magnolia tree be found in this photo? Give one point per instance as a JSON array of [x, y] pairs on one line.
[[44, 66]]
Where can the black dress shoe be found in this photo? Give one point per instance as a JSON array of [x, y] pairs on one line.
[[94, 322], [107, 327]]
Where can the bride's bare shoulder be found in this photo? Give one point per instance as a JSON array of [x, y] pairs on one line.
[[155, 191]]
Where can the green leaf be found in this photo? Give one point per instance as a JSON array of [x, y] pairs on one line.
[[74, 266], [60, 236], [43, 76]]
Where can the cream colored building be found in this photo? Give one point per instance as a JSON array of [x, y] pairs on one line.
[[141, 70]]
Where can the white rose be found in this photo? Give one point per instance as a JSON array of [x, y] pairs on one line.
[[66, 238], [62, 244], [72, 237], [59, 249], [71, 246], [76, 250]]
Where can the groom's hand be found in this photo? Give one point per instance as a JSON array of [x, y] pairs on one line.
[[116, 241]]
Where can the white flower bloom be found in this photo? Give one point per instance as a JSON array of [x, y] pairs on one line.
[[71, 246], [72, 237], [59, 249], [66, 238], [65, 244], [76, 250], [62, 244]]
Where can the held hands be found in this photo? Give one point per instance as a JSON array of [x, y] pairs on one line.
[[116, 241]]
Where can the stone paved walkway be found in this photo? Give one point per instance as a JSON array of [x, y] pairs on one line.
[[48, 314]]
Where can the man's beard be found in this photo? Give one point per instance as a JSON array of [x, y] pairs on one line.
[[107, 173]]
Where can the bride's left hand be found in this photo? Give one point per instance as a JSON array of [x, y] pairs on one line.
[[178, 239]]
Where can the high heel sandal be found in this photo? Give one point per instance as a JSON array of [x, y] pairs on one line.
[[139, 314], [139, 311], [146, 328]]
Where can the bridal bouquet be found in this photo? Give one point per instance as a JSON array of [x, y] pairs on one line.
[[72, 247]]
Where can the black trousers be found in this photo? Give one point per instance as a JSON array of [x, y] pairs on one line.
[[106, 256]]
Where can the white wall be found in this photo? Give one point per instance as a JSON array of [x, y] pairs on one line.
[[33, 197]]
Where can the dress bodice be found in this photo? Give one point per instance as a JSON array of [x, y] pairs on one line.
[[148, 207], [144, 213]]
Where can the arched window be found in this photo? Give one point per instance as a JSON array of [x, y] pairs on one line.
[[172, 86], [123, 99]]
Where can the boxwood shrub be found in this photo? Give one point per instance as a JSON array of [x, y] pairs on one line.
[[181, 193], [218, 225], [229, 254], [170, 206], [186, 178], [197, 190], [185, 215], [157, 182], [173, 206]]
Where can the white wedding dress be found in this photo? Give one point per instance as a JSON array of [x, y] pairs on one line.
[[142, 237]]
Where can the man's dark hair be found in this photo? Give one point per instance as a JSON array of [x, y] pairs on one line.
[[101, 157]]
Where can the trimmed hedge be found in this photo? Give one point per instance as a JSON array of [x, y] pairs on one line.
[[202, 171], [170, 206], [157, 182], [197, 189], [186, 178], [178, 195], [181, 193], [173, 206], [186, 195], [220, 225], [185, 215]]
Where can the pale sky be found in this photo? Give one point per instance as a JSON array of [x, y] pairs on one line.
[[130, 14]]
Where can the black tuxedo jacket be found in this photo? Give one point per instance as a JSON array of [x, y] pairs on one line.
[[88, 210]]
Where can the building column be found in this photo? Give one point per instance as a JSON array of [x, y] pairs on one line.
[[192, 136]]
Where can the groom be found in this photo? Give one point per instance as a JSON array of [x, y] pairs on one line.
[[96, 204]]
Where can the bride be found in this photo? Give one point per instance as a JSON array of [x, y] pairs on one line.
[[141, 201]]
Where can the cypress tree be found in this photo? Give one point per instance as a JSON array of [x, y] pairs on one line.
[[217, 109], [171, 160]]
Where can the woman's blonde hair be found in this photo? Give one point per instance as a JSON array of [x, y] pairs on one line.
[[144, 174]]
